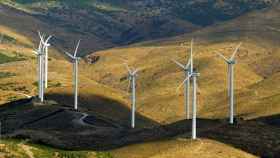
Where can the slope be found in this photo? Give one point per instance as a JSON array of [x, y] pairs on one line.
[[104, 24], [257, 79], [256, 70]]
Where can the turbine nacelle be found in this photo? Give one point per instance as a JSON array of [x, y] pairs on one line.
[[231, 60], [186, 67], [131, 71], [134, 73], [74, 57], [37, 52]]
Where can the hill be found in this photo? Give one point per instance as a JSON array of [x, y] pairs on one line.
[[105, 24], [104, 88], [256, 70], [257, 73]]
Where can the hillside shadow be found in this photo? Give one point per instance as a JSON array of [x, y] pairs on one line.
[[273, 120], [257, 137], [104, 107]]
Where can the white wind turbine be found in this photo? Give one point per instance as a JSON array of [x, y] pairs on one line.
[[46, 56], [192, 75], [39, 58], [75, 60], [231, 62], [132, 73], [39, 52], [188, 70], [42, 69]]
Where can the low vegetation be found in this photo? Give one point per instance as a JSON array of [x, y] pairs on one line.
[[14, 148], [6, 74], [6, 59]]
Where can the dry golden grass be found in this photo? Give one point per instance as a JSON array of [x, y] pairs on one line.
[[161, 104], [159, 77], [257, 82], [256, 77], [180, 147]]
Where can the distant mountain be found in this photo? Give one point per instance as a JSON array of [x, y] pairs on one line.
[[121, 22]]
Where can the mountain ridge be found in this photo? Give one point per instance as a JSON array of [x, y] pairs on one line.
[[117, 23]]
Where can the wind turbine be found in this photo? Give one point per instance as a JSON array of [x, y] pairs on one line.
[[42, 64], [46, 56], [231, 62], [75, 60], [192, 75], [187, 69], [132, 73], [39, 52]]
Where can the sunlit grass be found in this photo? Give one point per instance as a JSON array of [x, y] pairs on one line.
[[16, 148]]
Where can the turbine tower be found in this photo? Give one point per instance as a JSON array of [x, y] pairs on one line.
[[39, 54], [132, 73], [192, 75], [231, 62], [75, 61], [187, 70]]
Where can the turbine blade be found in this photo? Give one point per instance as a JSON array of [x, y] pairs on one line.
[[187, 78], [27, 96], [70, 55], [41, 36], [223, 57], [39, 33], [47, 40], [40, 46], [134, 72], [191, 57], [236, 50], [41, 40], [128, 69], [35, 52], [76, 50], [179, 64], [188, 64]]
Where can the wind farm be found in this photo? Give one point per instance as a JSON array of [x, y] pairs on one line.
[[202, 93]]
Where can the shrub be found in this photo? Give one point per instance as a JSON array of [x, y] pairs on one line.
[[6, 59], [6, 74], [103, 155]]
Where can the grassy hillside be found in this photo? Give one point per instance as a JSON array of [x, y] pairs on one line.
[[10, 148], [103, 85], [256, 70], [180, 147], [18, 79]]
